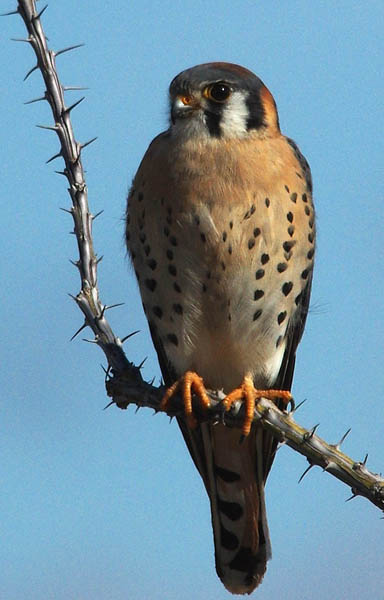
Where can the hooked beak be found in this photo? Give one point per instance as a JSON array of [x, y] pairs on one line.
[[183, 106]]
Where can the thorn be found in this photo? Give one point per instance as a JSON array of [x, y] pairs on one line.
[[298, 406], [351, 497], [12, 12], [337, 446], [70, 88], [170, 419], [30, 72], [88, 143], [78, 331], [365, 460], [99, 259], [90, 341], [68, 110], [73, 297], [124, 339], [142, 362], [65, 209], [36, 100], [97, 214], [68, 49], [109, 404], [41, 12], [62, 173], [307, 436], [137, 409], [113, 306], [305, 472], [49, 127], [152, 380], [21, 40], [58, 155], [75, 263], [106, 371]]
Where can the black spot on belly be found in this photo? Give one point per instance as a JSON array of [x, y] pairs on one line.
[[256, 232], [264, 259], [203, 237], [290, 217], [232, 510], [310, 254], [224, 236], [157, 311], [172, 270], [304, 274], [151, 284], [170, 254], [178, 309], [251, 243], [173, 240], [226, 475], [287, 287], [281, 267], [228, 540], [291, 230], [259, 273], [171, 337], [177, 288], [267, 202], [288, 245], [258, 294], [294, 197], [257, 314], [152, 264], [281, 316]]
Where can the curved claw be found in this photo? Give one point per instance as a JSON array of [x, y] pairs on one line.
[[189, 382], [247, 392]]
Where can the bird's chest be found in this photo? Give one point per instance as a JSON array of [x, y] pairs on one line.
[[218, 279]]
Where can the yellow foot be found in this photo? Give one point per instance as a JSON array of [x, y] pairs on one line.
[[189, 382], [249, 394]]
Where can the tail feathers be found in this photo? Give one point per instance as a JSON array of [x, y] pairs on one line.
[[236, 491]]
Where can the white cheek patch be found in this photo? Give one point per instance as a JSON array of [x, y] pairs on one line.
[[235, 115]]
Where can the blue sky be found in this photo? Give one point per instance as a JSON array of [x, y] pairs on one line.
[[107, 505]]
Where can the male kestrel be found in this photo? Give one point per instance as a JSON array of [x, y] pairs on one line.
[[220, 230]]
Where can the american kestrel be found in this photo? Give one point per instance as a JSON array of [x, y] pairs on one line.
[[220, 230]]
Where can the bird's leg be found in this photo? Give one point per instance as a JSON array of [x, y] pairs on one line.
[[247, 392], [189, 382]]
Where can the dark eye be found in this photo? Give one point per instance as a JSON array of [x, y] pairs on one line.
[[218, 92]]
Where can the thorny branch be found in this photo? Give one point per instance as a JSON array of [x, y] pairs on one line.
[[124, 382]]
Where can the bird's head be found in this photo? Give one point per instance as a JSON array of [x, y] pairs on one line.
[[221, 100]]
